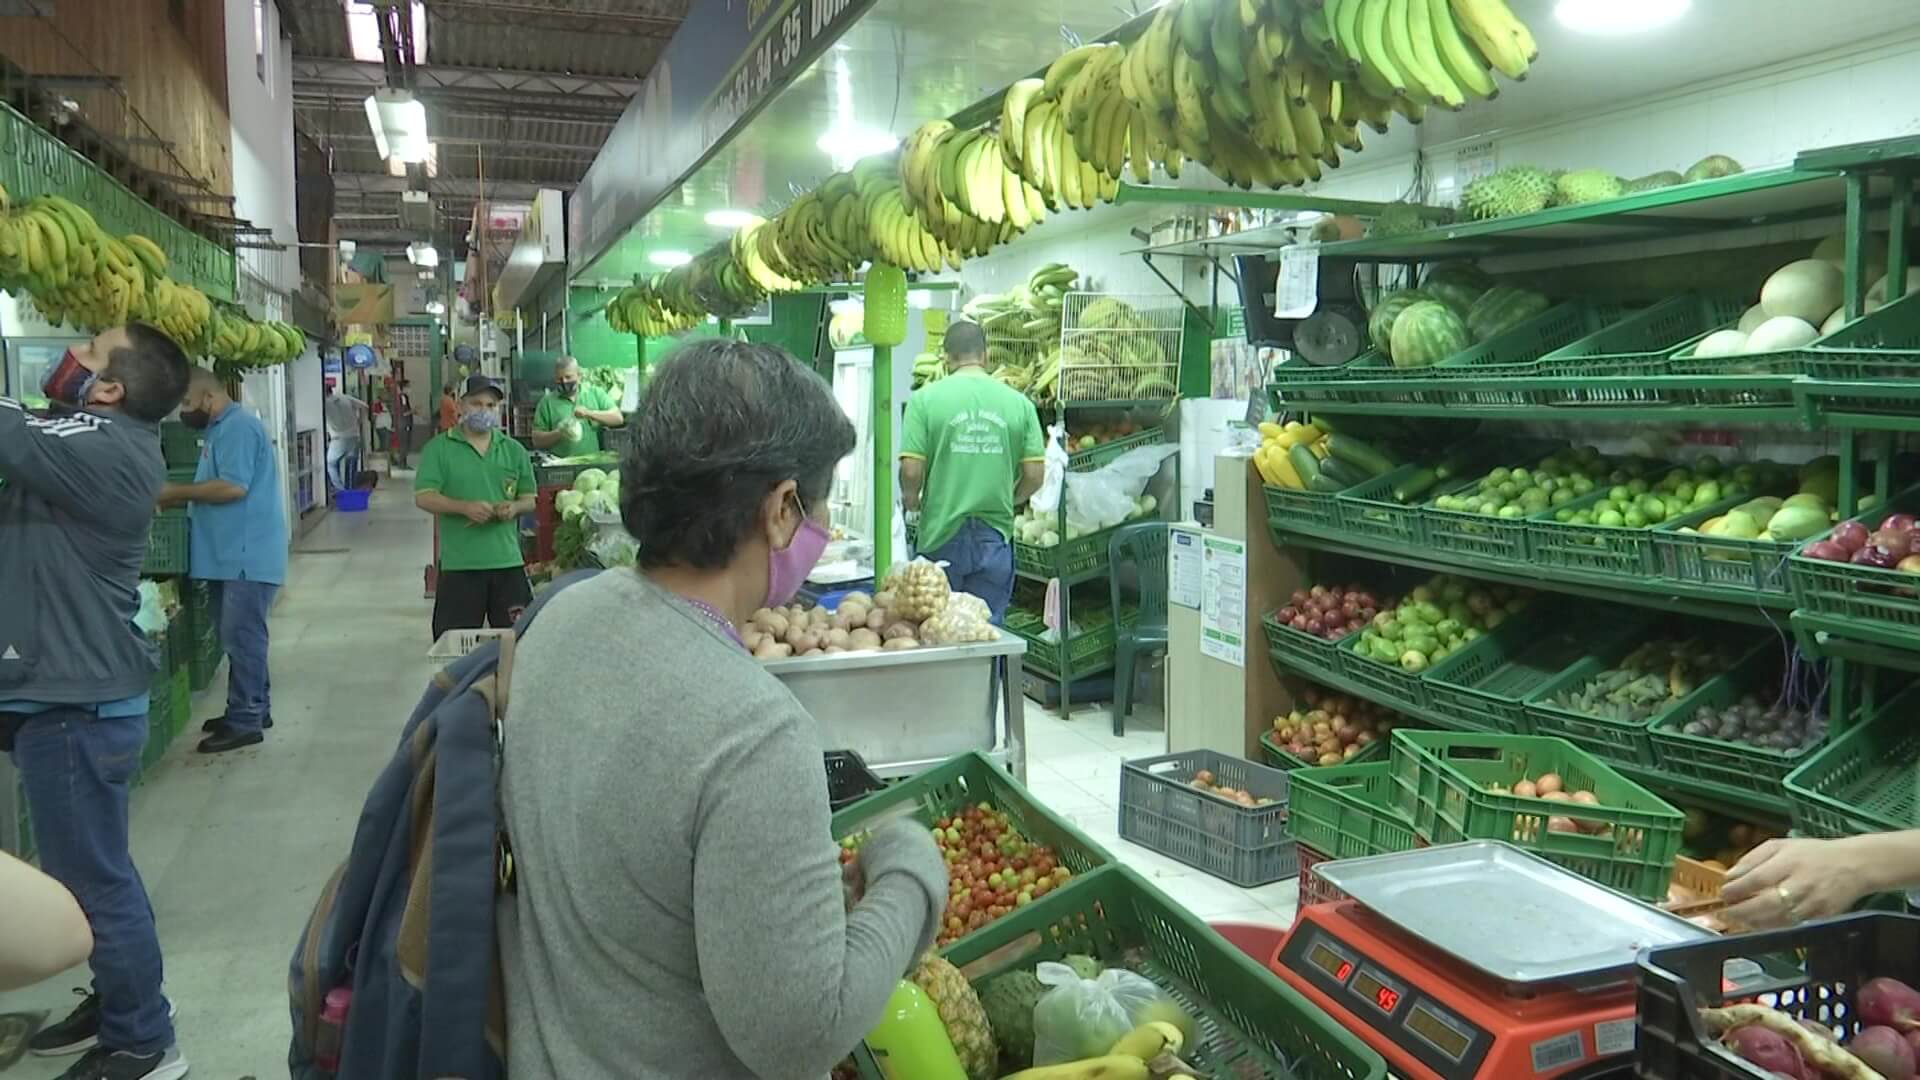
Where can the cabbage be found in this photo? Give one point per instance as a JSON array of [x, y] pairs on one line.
[[599, 503], [569, 501], [589, 480]]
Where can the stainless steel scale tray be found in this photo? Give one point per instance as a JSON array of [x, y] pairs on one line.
[[1508, 912]]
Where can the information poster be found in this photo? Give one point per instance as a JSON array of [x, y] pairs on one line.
[[1183, 568], [1223, 599]]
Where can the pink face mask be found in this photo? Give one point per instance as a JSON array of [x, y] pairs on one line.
[[69, 382], [787, 568]]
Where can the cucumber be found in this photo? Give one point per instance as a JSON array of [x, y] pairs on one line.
[[1415, 484], [1357, 453], [1451, 465], [1325, 484], [1346, 473], [1305, 464]]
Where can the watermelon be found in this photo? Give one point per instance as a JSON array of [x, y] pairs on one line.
[[1425, 334], [1380, 320], [1503, 307], [885, 305]]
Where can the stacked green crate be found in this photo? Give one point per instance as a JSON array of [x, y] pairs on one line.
[[203, 651]]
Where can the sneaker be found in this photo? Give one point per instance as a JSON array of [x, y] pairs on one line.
[[80, 1031], [228, 739], [220, 721], [103, 1064]]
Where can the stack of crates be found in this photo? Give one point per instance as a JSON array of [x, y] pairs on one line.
[[203, 652]]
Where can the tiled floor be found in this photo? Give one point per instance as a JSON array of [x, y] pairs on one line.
[[1074, 767]]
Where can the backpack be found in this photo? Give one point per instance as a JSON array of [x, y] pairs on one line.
[[406, 924]]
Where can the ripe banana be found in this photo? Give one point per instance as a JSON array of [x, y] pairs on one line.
[[1013, 116], [1463, 65], [1502, 40]]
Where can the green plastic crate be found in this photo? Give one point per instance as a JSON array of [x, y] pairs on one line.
[[1722, 562], [1347, 811], [1088, 653], [1642, 343], [161, 723], [1440, 781], [1300, 652], [1479, 536], [1484, 686], [1386, 684], [180, 694], [1369, 510], [20, 844], [204, 662], [1863, 779], [180, 444], [1519, 349], [1885, 344], [1104, 453], [1593, 549], [564, 475], [1731, 765], [166, 544], [1301, 511], [1067, 559], [1865, 593], [1250, 1022], [1281, 758]]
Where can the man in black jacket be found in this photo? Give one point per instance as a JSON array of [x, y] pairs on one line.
[[77, 493]]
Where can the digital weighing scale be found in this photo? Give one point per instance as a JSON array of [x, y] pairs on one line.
[[1477, 961]]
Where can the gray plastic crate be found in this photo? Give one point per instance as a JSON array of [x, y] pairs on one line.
[[1247, 845]]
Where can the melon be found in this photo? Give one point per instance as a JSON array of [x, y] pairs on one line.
[[1834, 321], [1834, 250], [1425, 334], [1805, 289], [1502, 308], [1721, 343], [886, 304], [1878, 290], [1781, 332], [1753, 317], [1380, 320]]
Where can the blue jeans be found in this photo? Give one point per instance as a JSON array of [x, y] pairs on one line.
[[240, 618], [78, 769], [979, 561], [340, 450]]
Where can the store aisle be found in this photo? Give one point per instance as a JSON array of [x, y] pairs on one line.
[[235, 848], [1074, 767]]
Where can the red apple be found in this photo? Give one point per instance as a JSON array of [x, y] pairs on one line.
[[1851, 535], [1900, 522], [1825, 549], [1891, 539], [1872, 555]]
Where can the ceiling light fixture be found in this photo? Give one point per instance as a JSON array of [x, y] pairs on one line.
[[731, 219], [848, 145], [669, 258], [1615, 17], [399, 124]]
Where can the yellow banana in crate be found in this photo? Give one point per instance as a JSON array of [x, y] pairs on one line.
[[1111, 1067], [1150, 1040]]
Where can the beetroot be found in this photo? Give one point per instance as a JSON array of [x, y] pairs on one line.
[[1889, 1003], [1851, 535], [1884, 1051], [1768, 1049]]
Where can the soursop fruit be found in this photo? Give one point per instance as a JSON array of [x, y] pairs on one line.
[[1084, 966], [1009, 1001], [1398, 219], [1588, 185], [1654, 181], [1521, 189], [1712, 167]]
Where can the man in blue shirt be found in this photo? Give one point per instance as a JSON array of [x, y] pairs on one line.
[[237, 541], [77, 487]]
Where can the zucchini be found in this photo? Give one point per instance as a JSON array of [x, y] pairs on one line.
[[1410, 487], [1357, 453], [1305, 464], [1325, 484], [1451, 465], [1345, 472]]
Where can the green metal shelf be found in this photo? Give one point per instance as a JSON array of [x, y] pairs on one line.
[[1716, 797], [1728, 605], [1454, 399], [1760, 197], [1839, 638]]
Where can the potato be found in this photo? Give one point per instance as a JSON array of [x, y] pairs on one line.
[[760, 616], [900, 644], [847, 618], [772, 650], [820, 618], [804, 642], [811, 652], [838, 636], [899, 630], [775, 622], [857, 597], [883, 598], [752, 638], [794, 634], [831, 649], [862, 639], [877, 619]]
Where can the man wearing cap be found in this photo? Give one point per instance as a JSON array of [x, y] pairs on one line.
[[570, 417], [477, 482]]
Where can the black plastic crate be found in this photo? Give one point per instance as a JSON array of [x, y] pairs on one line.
[[848, 778], [1810, 972], [1247, 845]]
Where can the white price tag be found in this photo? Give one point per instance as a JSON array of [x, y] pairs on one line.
[[1296, 290]]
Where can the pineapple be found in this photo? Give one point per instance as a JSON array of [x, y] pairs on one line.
[[960, 1011]]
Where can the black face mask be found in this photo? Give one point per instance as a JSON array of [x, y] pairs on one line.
[[567, 389], [196, 418]]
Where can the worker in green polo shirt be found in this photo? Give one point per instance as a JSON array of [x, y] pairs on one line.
[[568, 420], [970, 451], [477, 482]]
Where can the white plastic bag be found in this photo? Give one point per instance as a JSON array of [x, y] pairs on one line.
[[1047, 499], [1082, 1018], [1105, 497], [151, 618]]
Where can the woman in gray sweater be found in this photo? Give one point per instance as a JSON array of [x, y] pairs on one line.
[[681, 910]]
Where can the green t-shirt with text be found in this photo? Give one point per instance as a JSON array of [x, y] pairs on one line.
[[453, 467], [973, 431], [554, 412]]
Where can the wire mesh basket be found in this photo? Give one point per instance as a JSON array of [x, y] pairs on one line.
[[1119, 347]]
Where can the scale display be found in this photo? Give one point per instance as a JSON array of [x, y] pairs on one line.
[[1331, 962], [1375, 992], [1445, 1038]]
